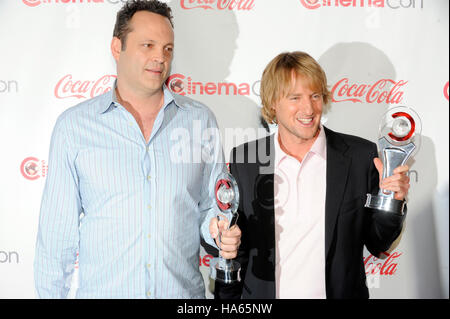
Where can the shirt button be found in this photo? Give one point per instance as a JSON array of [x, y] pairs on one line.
[[146, 148], [148, 265], [148, 236], [149, 206], [148, 294], [149, 177]]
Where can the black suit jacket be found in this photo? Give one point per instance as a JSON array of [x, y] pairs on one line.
[[349, 226]]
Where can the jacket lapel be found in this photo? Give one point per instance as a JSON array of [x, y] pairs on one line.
[[264, 209], [337, 172]]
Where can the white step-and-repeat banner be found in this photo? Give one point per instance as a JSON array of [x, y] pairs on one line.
[[377, 54]]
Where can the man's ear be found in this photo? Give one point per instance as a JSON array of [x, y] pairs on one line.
[[273, 108], [116, 47]]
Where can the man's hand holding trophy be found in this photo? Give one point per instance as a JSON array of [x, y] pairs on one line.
[[225, 231]]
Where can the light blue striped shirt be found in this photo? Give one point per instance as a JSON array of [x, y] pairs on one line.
[[134, 210]]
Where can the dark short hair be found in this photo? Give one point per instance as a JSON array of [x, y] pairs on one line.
[[122, 26]]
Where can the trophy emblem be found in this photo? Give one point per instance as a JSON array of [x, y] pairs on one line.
[[227, 198], [399, 138]]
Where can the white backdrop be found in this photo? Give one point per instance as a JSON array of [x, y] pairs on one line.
[[55, 54]]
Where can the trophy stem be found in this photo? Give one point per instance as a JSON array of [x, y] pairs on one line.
[[385, 203], [225, 270], [392, 157], [225, 263]]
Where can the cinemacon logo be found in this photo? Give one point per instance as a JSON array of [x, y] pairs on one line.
[[32, 168], [182, 85], [393, 4], [8, 257], [35, 3]]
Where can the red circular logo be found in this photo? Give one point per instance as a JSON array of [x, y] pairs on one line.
[[32, 3], [175, 83], [223, 206], [310, 4], [30, 168], [411, 131], [446, 91]]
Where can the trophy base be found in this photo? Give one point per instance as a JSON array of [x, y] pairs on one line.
[[225, 271], [386, 204]]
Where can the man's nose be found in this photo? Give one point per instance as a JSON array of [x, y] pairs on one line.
[[307, 106], [158, 55]]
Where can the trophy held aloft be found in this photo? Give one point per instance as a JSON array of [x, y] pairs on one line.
[[399, 138]]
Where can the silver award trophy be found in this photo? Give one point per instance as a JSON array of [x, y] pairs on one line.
[[227, 197], [399, 138]]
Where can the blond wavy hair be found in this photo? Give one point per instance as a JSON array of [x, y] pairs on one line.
[[278, 77]]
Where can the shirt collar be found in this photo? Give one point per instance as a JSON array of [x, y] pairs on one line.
[[319, 147], [111, 99]]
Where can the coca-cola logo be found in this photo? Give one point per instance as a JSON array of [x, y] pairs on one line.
[[241, 5], [446, 90], [67, 87], [382, 91], [383, 267], [32, 168], [182, 85]]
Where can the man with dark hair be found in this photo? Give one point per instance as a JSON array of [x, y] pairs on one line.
[[116, 191], [122, 27], [301, 210]]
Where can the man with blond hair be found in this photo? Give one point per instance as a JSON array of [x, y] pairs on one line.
[[301, 211]]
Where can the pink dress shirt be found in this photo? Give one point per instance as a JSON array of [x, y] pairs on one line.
[[299, 190]]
